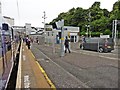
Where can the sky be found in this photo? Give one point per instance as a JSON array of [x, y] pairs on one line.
[[31, 11]]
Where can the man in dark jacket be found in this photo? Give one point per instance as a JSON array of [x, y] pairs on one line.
[[67, 45], [28, 43]]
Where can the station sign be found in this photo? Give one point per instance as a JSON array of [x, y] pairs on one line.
[[104, 36], [48, 28]]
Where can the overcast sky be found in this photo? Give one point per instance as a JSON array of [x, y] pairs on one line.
[[31, 11]]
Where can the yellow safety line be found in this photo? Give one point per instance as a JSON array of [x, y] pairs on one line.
[[32, 54], [45, 75]]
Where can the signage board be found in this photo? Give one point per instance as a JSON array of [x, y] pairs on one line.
[[60, 24], [48, 28], [104, 36]]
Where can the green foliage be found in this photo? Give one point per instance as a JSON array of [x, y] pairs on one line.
[[95, 34], [119, 35], [83, 33], [100, 20], [107, 32]]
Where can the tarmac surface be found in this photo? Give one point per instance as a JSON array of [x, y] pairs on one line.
[[76, 70]]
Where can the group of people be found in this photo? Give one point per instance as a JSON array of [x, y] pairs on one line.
[[28, 41]]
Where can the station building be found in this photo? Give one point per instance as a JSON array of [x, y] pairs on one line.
[[55, 34]]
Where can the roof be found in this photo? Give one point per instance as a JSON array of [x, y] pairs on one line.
[[8, 17]]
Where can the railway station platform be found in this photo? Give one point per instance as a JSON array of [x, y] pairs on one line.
[[30, 74]]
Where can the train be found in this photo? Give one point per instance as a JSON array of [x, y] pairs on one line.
[[9, 43]]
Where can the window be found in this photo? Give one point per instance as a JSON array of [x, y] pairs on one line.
[[72, 39], [75, 38]]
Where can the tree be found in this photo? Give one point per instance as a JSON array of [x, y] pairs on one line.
[[100, 20]]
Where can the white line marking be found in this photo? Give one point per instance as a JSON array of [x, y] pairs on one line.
[[24, 57], [109, 57], [95, 55], [27, 81]]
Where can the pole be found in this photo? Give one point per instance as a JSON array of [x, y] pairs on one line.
[[53, 42], [98, 46], [60, 24], [115, 31], [44, 17], [44, 27], [87, 30], [62, 42], [89, 24], [90, 33]]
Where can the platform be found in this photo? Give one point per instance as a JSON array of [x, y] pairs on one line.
[[30, 73]]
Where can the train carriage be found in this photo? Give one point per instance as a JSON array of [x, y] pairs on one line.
[[8, 48]]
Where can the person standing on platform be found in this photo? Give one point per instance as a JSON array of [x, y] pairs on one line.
[[26, 39], [67, 45], [37, 41], [28, 43]]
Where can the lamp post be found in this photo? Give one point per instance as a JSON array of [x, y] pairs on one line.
[[88, 26], [114, 30], [89, 23], [87, 33], [44, 17]]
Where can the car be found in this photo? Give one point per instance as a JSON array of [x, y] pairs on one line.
[[98, 44]]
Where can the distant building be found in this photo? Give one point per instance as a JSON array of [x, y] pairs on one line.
[[28, 28], [72, 32]]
